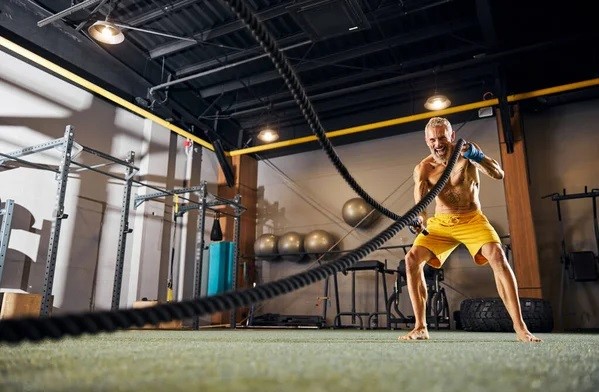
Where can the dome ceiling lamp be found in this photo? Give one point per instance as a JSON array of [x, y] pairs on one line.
[[106, 32], [437, 101], [112, 33], [268, 135]]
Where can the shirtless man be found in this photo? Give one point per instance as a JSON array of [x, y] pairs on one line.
[[458, 219]]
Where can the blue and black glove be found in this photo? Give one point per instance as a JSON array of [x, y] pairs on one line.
[[474, 154]]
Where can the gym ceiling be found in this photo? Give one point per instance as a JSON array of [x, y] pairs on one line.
[[196, 65]]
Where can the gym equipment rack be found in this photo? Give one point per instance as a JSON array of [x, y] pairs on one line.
[[583, 263], [207, 201], [65, 146]]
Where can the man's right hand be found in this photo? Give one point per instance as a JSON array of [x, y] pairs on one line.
[[417, 226]]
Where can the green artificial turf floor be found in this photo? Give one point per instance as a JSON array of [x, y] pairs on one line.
[[301, 360]]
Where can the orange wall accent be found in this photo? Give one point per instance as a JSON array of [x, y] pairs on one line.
[[245, 168], [517, 195]]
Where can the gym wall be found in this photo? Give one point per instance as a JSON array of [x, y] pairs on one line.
[[562, 153]]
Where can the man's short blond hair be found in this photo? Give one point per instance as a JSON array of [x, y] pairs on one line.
[[438, 121]]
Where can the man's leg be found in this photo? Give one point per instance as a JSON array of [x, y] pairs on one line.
[[507, 288], [415, 260]]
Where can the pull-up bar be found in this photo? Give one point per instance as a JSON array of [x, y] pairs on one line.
[[565, 196]]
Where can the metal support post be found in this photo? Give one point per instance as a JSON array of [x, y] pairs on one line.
[[199, 256], [123, 231], [6, 213], [236, 219], [59, 215]]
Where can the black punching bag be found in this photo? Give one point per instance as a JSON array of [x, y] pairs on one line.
[[216, 234]]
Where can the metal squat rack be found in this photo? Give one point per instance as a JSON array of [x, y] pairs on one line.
[[65, 146]]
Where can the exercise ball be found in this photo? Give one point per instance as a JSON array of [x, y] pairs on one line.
[[354, 210], [265, 247], [290, 245], [317, 242]]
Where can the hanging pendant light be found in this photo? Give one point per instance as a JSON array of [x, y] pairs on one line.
[[268, 135], [437, 102], [106, 32]]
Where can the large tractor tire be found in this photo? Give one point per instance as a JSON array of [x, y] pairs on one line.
[[490, 315]]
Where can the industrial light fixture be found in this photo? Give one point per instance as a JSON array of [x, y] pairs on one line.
[[111, 33], [106, 32], [437, 102], [268, 135], [102, 30]]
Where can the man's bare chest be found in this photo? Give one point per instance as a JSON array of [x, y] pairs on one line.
[[460, 176]]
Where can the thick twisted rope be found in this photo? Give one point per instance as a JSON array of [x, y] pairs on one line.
[[35, 329]]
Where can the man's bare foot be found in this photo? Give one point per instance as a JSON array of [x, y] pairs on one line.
[[416, 334], [526, 336]]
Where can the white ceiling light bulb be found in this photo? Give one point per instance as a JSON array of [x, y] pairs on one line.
[[268, 135], [106, 32], [437, 102]]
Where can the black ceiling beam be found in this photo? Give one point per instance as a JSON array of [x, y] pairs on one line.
[[485, 19], [66, 12], [159, 12], [284, 44], [168, 49], [350, 54]]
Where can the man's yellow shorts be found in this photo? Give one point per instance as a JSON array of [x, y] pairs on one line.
[[447, 231]]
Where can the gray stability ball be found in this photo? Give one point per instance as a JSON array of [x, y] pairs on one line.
[[289, 245], [265, 247], [317, 242], [354, 210]]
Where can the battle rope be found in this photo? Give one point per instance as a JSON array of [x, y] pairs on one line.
[[55, 327], [16, 330], [296, 89]]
